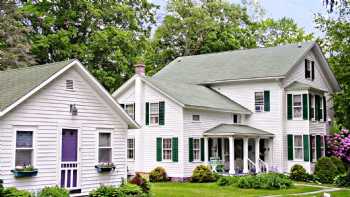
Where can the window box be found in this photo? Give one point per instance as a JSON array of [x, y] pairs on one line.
[[105, 167], [24, 171]]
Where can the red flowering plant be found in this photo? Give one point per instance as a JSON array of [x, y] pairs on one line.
[[338, 145]]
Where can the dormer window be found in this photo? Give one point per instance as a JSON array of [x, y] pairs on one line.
[[236, 118], [69, 85], [309, 69]]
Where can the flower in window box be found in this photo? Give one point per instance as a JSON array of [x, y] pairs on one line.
[[105, 167], [25, 171]]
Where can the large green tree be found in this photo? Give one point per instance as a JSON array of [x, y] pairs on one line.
[[14, 45], [106, 36]]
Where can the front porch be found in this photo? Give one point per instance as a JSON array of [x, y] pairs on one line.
[[240, 149]]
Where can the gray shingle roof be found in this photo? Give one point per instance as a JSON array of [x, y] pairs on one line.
[[296, 85], [16, 83], [236, 129], [235, 65], [197, 96]]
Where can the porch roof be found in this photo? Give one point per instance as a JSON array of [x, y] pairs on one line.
[[237, 130]]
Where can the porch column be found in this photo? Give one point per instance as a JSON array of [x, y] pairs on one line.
[[223, 150], [245, 155], [257, 154], [232, 155], [206, 152]]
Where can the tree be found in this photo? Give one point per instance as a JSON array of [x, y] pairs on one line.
[[14, 45], [106, 36]]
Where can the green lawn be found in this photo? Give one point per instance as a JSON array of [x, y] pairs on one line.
[[342, 193], [212, 190]]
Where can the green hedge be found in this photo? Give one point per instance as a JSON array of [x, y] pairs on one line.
[[54, 192], [325, 170], [202, 174], [14, 192]]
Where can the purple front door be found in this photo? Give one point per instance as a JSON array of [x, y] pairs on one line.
[[69, 158]]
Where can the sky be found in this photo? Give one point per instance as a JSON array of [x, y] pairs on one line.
[[302, 11]]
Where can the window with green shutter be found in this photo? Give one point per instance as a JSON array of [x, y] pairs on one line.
[[190, 149], [159, 149], [324, 109], [305, 107], [266, 100], [306, 148], [202, 149], [290, 147], [290, 106], [161, 113], [175, 149]]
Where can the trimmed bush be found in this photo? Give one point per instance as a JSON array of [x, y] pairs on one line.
[[14, 192], [106, 191], [325, 170], [265, 181], [158, 174], [227, 180], [202, 174], [131, 190], [298, 173], [339, 165], [53, 192], [142, 182], [342, 180]]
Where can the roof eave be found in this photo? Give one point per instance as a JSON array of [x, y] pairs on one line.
[[241, 80], [216, 109]]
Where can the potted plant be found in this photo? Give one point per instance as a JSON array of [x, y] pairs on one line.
[[25, 171], [105, 167]]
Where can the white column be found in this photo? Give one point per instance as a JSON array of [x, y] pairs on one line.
[[206, 153], [245, 155], [232, 154], [223, 149], [257, 154]]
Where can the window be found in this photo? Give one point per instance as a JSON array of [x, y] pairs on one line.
[[312, 107], [104, 148], [69, 85], [322, 146], [130, 110], [313, 148], [196, 118], [308, 69], [196, 149], [321, 109], [131, 149], [236, 118], [297, 106], [298, 147], [167, 149], [154, 113], [24, 148], [259, 101]]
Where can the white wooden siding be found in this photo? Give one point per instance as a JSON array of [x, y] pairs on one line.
[[48, 111]]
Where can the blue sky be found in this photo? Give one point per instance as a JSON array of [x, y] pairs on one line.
[[302, 11]]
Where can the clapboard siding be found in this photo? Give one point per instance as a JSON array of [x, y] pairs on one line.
[[48, 112]]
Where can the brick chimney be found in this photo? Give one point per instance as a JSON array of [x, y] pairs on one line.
[[140, 69]]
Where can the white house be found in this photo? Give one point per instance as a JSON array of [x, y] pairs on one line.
[[258, 109], [60, 120]]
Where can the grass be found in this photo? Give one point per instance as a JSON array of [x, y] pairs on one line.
[[342, 193], [213, 190]]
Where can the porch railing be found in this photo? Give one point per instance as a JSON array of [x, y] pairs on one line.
[[251, 166], [264, 167]]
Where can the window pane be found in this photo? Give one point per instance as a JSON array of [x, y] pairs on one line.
[[23, 157], [130, 154], [130, 110], [195, 143], [297, 112], [105, 140], [259, 98], [105, 155], [196, 155], [195, 117], [24, 139], [154, 108], [298, 153], [167, 143], [298, 140], [297, 100], [130, 143], [167, 154], [154, 119]]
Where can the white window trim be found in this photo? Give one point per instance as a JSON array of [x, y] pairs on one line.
[[34, 145], [302, 148], [301, 100], [263, 102], [133, 148], [104, 147], [171, 149], [150, 114], [199, 149]]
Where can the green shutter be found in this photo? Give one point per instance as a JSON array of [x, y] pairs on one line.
[[190, 149], [305, 107], [312, 70], [318, 147], [310, 111], [202, 149], [220, 148], [290, 147], [159, 149], [161, 113], [317, 107], [175, 149], [324, 109], [147, 114], [290, 106], [266, 100], [210, 144], [310, 145], [122, 105], [306, 148]]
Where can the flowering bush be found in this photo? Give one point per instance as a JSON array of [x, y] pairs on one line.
[[339, 145]]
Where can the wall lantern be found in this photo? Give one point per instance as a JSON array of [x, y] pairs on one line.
[[73, 109]]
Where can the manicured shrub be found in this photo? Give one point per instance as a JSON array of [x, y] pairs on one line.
[[342, 180], [142, 182], [14, 192], [298, 173], [158, 175], [341, 169], [216, 176], [325, 170], [104, 191], [202, 174], [131, 190], [247, 182], [227, 180], [53, 192], [265, 181]]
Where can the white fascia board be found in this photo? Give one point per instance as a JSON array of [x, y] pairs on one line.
[[124, 87]]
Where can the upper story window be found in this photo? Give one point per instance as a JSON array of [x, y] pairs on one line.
[[104, 148], [321, 110], [309, 69], [130, 110], [259, 101], [69, 84], [131, 148], [312, 107], [297, 106], [154, 113], [196, 118], [236, 118], [24, 148]]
